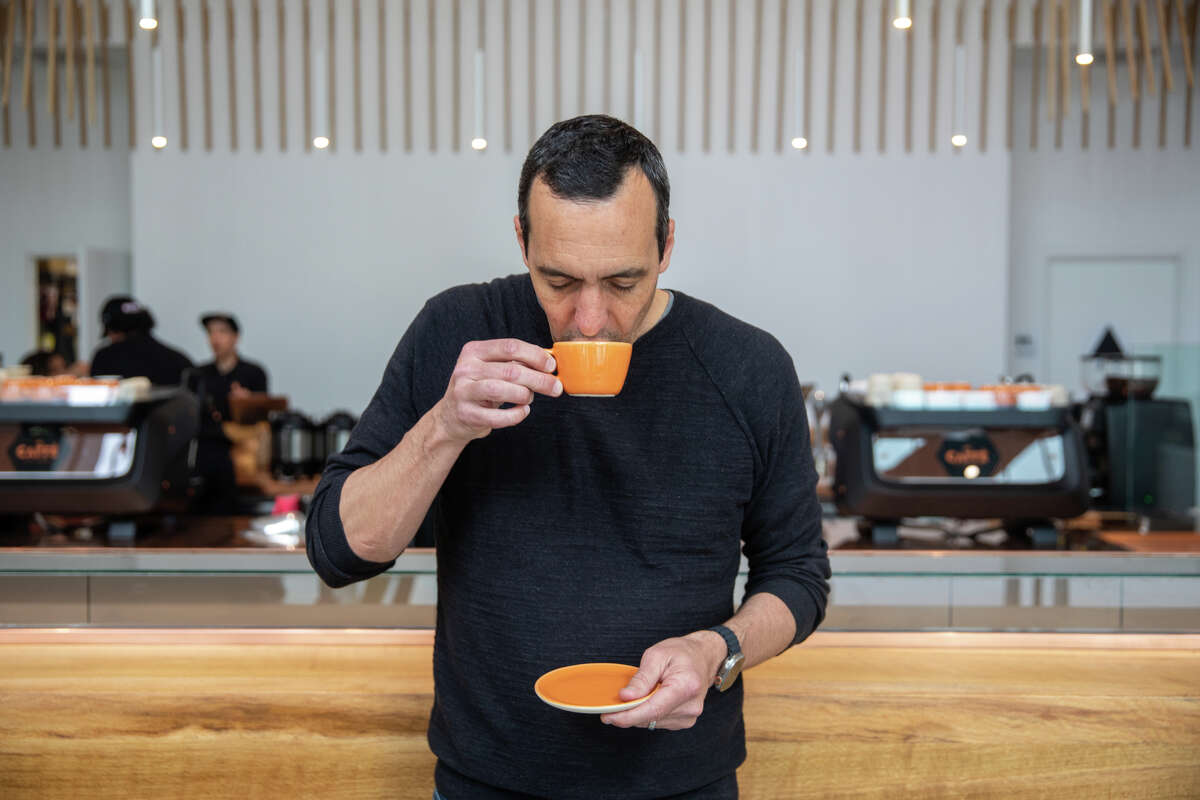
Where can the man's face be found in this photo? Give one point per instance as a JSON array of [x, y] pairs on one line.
[[57, 365], [221, 338], [595, 264]]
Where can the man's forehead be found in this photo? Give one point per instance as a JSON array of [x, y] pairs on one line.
[[633, 191]]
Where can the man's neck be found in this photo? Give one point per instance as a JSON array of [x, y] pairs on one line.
[[657, 306], [225, 364]]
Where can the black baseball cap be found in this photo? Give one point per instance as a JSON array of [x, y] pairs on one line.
[[122, 314], [221, 316]]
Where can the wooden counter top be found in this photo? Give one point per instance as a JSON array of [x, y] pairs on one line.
[[210, 713], [1154, 542]]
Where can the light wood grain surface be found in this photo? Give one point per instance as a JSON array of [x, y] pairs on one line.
[[105, 86], [831, 92], [10, 29], [89, 27], [884, 27], [343, 714], [1185, 44], [1164, 41], [51, 55], [256, 71], [206, 73], [70, 43], [181, 73], [281, 52], [935, 16]]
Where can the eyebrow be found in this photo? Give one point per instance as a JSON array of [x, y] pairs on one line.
[[630, 273]]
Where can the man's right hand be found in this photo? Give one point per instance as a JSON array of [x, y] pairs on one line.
[[490, 374]]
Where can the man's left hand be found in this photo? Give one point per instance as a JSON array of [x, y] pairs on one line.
[[685, 668]]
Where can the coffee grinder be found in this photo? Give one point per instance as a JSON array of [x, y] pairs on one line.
[[1141, 449]]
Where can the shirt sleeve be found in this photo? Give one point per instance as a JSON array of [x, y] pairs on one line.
[[391, 413], [781, 530]]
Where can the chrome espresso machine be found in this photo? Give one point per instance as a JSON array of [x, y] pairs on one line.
[[1013, 454], [118, 459]]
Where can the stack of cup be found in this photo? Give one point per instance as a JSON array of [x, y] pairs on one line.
[[879, 389], [945, 396], [907, 391], [979, 400]]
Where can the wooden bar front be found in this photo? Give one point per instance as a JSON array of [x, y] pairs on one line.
[[342, 713]]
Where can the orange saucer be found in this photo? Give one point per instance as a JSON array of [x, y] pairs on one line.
[[588, 688]]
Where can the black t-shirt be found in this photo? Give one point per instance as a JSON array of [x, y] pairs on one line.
[[213, 386], [590, 531], [141, 355]]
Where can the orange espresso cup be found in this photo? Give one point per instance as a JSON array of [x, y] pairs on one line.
[[592, 369]]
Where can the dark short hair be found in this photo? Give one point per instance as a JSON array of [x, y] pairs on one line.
[[586, 158], [38, 362], [220, 316], [122, 314]]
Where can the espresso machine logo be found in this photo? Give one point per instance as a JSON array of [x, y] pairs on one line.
[[972, 456], [38, 447]]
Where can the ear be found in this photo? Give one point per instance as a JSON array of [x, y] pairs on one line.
[[520, 239], [668, 248]]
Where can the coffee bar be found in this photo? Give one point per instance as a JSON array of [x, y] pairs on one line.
[[907, 284]]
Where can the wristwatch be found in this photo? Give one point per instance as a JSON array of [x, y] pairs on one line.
[[731, 667]]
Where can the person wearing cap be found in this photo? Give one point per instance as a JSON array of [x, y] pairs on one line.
[[132, 351], [227, 375]]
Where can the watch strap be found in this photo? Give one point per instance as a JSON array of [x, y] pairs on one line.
[[731, 640]]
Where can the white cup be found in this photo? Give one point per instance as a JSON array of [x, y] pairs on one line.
[[976, 400], [908, 399], [943, 400], [1034, 400]]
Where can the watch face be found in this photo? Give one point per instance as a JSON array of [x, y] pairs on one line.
[[730, 669]]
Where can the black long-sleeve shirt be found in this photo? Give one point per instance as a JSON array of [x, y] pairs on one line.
[[141, 355], [590, 531], [213, 388]]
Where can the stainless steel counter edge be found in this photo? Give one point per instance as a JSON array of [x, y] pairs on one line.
[[102, 560], [98, 561]]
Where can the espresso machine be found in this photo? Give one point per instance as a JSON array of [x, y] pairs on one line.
[[122, 460], [1018, 467]]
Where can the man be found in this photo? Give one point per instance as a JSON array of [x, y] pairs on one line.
[[227, 375], [45, 363], [577, 529], [131, 350]]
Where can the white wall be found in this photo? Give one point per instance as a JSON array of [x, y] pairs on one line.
[[1101, 203], [919, 261], [57, 201], [856, 261], [324, 261], [327, 261]]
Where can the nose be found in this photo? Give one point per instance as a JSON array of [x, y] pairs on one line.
[[590, 312]]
